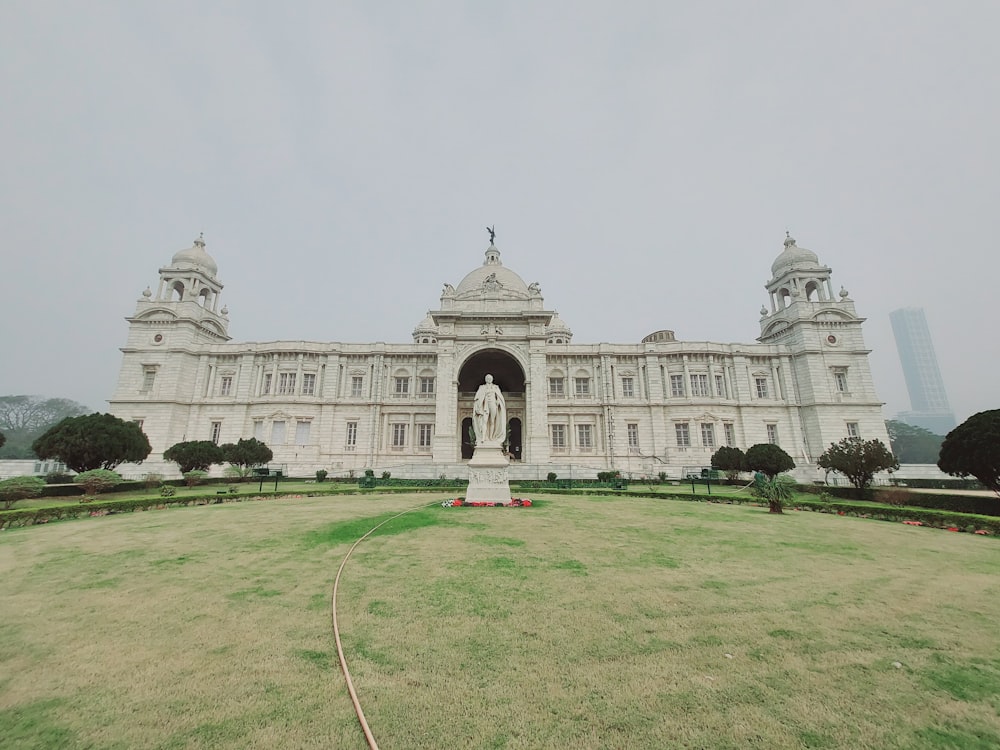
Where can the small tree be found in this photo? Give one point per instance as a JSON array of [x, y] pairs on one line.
[[96, 481], [730, 460], [195, 477], [321, 475], [194, 454], [974, 448], [246, 454], [94, 441], [20, 488], [776, 490], [768, 459], [858, 460]]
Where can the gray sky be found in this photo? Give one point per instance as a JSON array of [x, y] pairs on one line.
[[641, 161]]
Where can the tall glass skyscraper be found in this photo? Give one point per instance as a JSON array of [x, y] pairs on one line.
[[928, 400]]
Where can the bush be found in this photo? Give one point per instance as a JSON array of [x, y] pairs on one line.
[[152, 480], [167, 490], [895, 496], [195, 477], [321, 475], [369, 472], [20, 488], [609, 476], [96, 481], [386, 475], [551, 476], [58, 477]]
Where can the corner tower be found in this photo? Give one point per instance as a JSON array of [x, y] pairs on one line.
[[825, 361]]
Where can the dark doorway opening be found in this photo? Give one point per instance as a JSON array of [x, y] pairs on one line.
[[467, 447], [514, 428]]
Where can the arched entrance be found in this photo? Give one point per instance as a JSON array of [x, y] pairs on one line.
[[508, 374]]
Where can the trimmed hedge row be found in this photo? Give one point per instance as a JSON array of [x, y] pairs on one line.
[[980, 505]]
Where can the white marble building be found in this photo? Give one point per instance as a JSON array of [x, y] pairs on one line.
[[659, 405]]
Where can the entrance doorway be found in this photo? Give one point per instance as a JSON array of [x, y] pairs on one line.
[[509, 376]]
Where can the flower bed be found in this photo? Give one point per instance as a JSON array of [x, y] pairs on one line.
[[461, 502]]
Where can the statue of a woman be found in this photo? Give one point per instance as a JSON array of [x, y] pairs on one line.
[[489, 414]]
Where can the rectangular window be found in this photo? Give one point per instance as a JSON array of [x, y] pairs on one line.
[[585, 437], [357, 386], [266, 388], [708, 434], [258, 429], [424, 433], [632, 431], [840, 379], [582, 386], [730, 431], [302, 432], [720, 386], [683, 432], [401, 388], [762, 389], [277, 433], [558, 437], [699, 385], [628, 387], [556, 387], [225, 385], [216, 431], [352, 436], [309, 384], [148, 378], [853, 430], [772, 434], [286, 383], [426, 386], [677, 386], [398, 436]]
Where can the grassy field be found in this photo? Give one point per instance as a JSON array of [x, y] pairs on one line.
[[583, 622]]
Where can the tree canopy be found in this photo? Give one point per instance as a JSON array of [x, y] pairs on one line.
[[96, 481], [974, 448], [19, 488], [730, 460], [93, 441], [194, 455], [246, 453], [911, 444], [858, 460], [769, 459], [24, 418]]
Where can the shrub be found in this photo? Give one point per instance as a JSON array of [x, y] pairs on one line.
[[369, 472], [195, 477], [895, 496], [321, 475], [608, 476], [167, 490], [152, 480], [386, 475], [552, 476], [20, 488], [58, 477], [96, 481]]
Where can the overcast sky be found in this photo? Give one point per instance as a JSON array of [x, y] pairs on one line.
[[640, 160]]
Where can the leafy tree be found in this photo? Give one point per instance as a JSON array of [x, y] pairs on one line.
[[20, 488], [96, 481], [858, 460], [974, 448], [730, 460], [776, 490], [246, 453], [194, 454], [769, 459], [911, 444], [93, 441], [24, 418]]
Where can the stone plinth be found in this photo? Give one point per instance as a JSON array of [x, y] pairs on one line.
[[488, 476]]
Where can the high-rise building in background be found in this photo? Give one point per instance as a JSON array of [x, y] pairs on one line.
[[928, 400]]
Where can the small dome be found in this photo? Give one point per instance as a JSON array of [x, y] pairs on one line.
[[492, 276], [195, 257], [425, 326], [557, 325], [793, 256]]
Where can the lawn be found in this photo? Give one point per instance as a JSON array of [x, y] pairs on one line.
[[584, 622]]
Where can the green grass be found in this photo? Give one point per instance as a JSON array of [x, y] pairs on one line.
[[584, 622]]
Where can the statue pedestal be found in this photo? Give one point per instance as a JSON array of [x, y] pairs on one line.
[[488, 475]]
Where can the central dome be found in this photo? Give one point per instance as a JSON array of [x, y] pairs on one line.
[[793, 256], [492, 277]]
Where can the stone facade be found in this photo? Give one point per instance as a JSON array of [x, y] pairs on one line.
[[660, 405]]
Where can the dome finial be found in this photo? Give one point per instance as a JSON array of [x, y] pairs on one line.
[[492, 231], [789, 240], [200, 242]]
